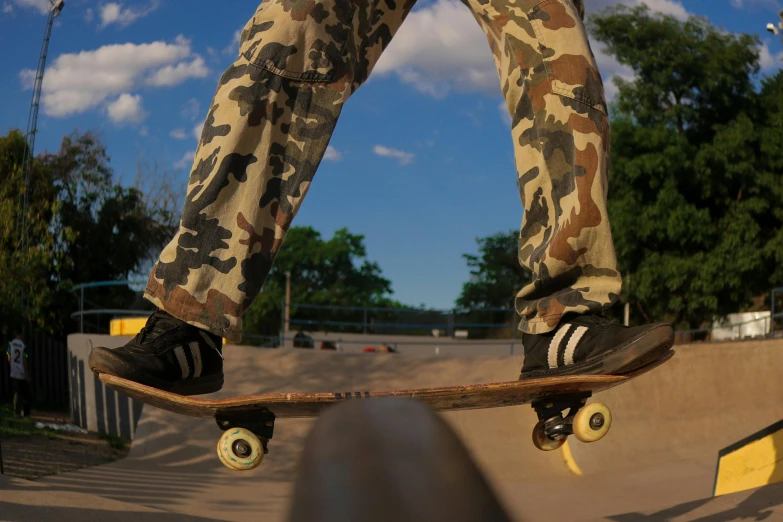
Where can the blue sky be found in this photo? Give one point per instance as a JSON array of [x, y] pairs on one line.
[[421, 162]]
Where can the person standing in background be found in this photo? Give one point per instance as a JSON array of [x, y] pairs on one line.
[[20, 374]]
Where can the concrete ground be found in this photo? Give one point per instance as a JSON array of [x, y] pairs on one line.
[[657, 463]]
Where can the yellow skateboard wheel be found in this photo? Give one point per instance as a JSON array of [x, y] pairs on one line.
[[592, 422], [239, 449]]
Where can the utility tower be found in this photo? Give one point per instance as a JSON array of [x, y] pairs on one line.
[[32, 120]]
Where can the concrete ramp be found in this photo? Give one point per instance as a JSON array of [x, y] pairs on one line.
[[23, 500], [661, 453], [173, 464]]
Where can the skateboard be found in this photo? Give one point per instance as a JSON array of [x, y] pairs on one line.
[[248, 422]]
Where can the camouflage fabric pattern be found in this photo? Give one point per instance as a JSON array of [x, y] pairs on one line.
[[274, 113]]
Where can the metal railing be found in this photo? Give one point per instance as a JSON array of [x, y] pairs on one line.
[[449, 322], [103, 311], [509, 346], [449, 318]]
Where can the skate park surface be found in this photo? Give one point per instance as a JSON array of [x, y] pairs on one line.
[[658, 461]]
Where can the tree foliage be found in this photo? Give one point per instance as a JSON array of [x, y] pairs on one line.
[[696, 176], [695, 183], [495, 273], [27, 285], [82, 226], [333, 272]]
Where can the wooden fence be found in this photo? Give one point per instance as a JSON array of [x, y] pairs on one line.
[[48, 363]]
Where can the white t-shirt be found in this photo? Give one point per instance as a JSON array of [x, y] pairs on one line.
[[16, 350]]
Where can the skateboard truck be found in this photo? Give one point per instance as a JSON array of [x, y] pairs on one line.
[[588, 423], [245, 438]]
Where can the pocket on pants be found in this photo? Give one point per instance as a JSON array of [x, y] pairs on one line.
[[299, 40], [569, 61]]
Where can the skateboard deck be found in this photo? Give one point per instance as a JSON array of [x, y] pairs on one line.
[[248, 421]]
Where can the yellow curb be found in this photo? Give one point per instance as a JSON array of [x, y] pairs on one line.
[[129, 326], [568, 458], [750, 463]]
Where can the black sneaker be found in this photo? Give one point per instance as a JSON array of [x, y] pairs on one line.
[[168, 354], [592, 344]]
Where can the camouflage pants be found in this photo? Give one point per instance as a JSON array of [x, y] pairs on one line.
[[273, 115]]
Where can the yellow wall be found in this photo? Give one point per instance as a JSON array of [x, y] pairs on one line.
[[129, 326]]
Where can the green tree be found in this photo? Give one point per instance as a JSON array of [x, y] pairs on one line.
[[82, 226], [332, 272], [28, 280], [770, 110], [495, 273], [115, 230], [694, 192], [495, 279]]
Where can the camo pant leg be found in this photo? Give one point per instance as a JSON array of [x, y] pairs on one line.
[[266, 132], [561, 137]]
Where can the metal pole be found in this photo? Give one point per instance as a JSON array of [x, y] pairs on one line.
[[772, 316], [282, 323], [364, 321], [287, 326], [81, 309]]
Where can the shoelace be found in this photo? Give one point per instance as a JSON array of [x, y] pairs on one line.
[[156, 325]]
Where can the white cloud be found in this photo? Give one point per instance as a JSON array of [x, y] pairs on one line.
[[772, 4], [176, 74], [440, 48], [76, 83], [404, 157], [610, 68], [178, 134], [670, 7], [89, 15], [332, 154], [144, 131], [504, 114], [191, 110], [768, 61], [126, 109], [233, 47], [198, 129], [187, 160], [42, 6], [113, 13], [608, 65], [7, 8]]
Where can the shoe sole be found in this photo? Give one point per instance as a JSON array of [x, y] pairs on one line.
[[102, 360], [635, 354]]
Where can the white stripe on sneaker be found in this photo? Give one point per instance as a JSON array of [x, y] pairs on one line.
[[195, 351], [210, 343], [572, 342], [554, 346], [183, 361]]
